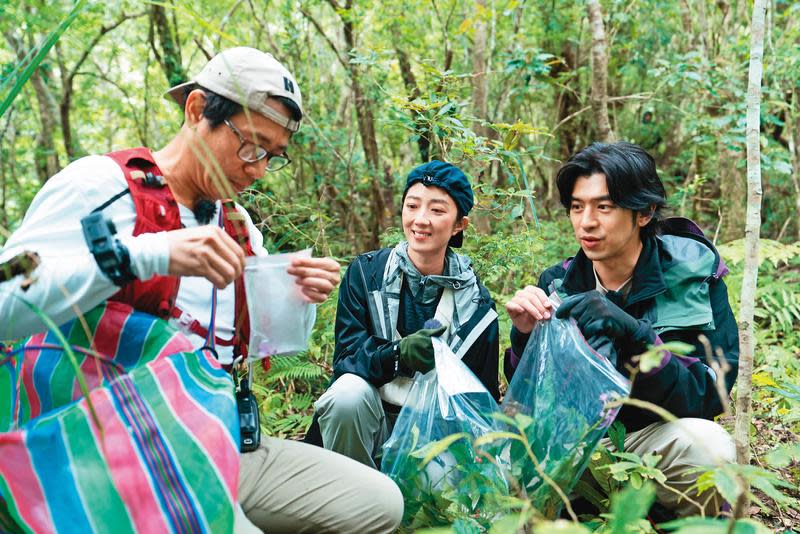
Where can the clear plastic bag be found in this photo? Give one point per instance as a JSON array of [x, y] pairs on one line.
[[279, 317], [431, 454], [563, 385]]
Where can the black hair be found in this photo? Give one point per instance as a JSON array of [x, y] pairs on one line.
[[459, 214], [631, 177], [218, 108]]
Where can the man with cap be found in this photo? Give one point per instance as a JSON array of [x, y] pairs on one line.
[[392, 302], [179, 246]]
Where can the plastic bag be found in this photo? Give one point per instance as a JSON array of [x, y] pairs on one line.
[[562, 384], [280, 320], [431, 454]]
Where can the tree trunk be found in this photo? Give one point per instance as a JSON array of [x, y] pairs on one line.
[[599, 72], [410, 83], [71, 144], [480, 82], [169, 55], [733, 192], [366, 128], [46, 156], [752, 234], [793, 138]]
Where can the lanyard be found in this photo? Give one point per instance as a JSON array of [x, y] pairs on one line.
[[212, 321], [211, 336]]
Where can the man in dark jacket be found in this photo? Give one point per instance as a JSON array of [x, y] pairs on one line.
[[387, 302], [639, 281]]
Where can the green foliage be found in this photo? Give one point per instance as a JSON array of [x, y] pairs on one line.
[[450, 481], [629, 507], [705, 525], [730, 480], [34, 58], [769, 251], [682, 67], [784, 456], [777, 297]]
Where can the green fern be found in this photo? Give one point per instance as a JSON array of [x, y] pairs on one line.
[[294, 368]]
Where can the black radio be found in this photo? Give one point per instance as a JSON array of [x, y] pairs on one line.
[[249, 425]]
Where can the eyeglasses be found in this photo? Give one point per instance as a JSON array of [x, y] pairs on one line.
[[252, 152]]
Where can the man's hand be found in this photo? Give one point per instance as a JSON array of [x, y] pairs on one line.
[[317, 277], [529, 305], [598, 316], [416, 350], [205, 251]]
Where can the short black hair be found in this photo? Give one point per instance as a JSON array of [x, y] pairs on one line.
[[218, 108], [631, 177]]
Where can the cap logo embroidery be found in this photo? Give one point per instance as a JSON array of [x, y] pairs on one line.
[[288, 85]]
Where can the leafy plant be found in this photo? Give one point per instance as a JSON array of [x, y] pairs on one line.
[[450, 479]]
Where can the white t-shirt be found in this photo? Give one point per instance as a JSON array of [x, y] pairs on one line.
[[69, 278]]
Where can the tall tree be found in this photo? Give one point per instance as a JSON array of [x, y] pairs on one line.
[[599, 71], [68, 74], [365, 117], [752, 234], [47, 163], [165, 43], [410, 83], [480, 80], [793, 137]]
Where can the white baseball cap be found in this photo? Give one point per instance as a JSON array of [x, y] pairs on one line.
[[248, 77]]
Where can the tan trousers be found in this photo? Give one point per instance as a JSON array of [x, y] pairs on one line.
[[289, 486], [683, 445]]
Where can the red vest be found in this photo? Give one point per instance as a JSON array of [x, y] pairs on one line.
[[157, 211]]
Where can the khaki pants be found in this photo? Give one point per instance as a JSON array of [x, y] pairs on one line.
[[293, 487], [683, 445], [352, 420]]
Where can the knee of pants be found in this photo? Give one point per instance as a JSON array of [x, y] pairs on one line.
[[383, 509], [703, 442], [348, 396]]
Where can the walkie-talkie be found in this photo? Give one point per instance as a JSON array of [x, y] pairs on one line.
[[249, 425]]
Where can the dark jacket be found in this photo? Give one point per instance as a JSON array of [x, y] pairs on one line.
[[677, 285], [361, 352]]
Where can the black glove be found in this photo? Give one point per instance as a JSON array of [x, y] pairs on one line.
[[416, 350], [604, 346], [598, 316]]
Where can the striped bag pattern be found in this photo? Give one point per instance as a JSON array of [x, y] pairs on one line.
[[48, 380], [165, 457]]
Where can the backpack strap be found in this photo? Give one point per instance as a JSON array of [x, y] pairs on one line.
[[156, 211]]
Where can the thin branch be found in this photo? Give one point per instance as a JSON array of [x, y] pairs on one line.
[[638, 96], [202, 49], [262, 25], [719, 364], [103, 30], [316, 24], [140, 126], [226, 18]]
